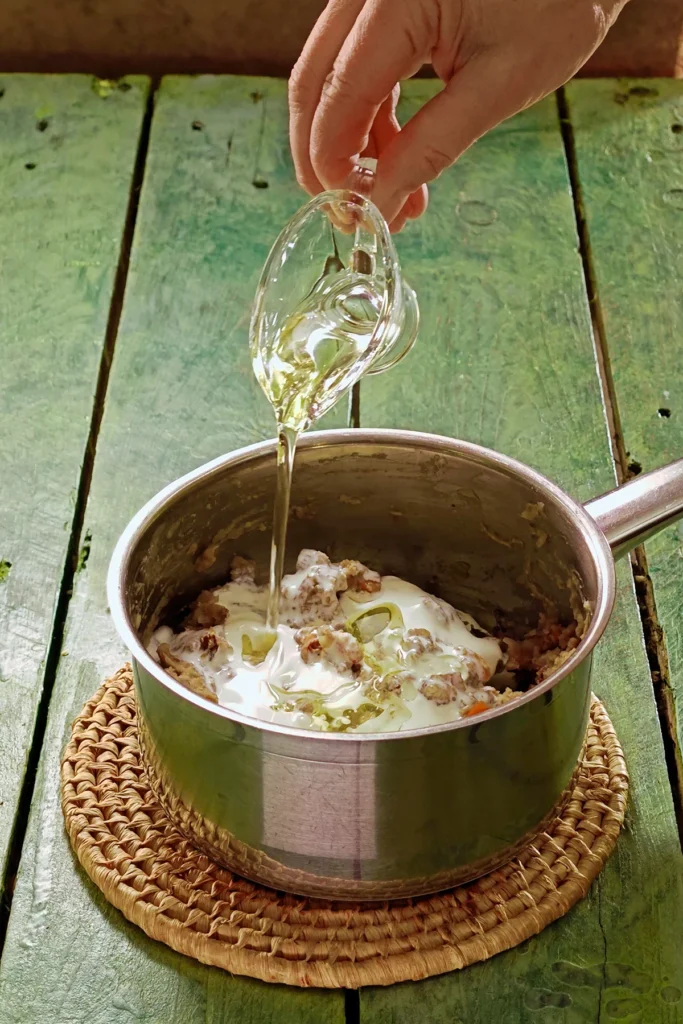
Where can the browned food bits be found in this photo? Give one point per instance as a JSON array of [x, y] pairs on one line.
[[202, 641], [381, 688], [206, 611], [316, 596], [445, 687], [214, 648], [209, 642], [543, 649], [442, 688], [359, 578], [308, 557], [185, 673], [417, 642], [242, 570], [337, 647], [206, 558]]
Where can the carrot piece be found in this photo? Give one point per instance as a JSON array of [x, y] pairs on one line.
[[475, 709]]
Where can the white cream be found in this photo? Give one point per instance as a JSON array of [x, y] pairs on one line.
[[284, 677]]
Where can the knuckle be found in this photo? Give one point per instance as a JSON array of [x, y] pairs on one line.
[[298, 88], [338, 87], [434, 161]]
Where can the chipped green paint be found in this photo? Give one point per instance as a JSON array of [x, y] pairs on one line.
[[71, 205], [505, 358], [181, 391], [105, 87], [84, 553]]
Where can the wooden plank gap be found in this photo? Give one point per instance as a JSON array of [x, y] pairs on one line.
[[75, 556], [657, 656], [599, 334], [655, 643], [118, 292], [354, 405], [351, 1006]]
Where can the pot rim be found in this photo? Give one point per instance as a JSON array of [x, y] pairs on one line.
[[439, 444]]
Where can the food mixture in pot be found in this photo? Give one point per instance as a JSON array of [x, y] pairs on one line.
[[355, 651]]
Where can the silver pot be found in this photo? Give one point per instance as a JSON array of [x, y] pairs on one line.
[[377, 816]]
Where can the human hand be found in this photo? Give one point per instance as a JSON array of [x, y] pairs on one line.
[[496, 57]]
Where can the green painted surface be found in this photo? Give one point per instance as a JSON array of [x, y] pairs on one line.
[[66, 159], [629, 140], [505, 358], [499, 279], [181, 392]]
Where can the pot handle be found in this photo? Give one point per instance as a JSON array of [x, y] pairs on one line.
[[641, 508]]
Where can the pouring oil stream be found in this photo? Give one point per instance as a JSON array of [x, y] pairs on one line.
[[309, 366], [307, 359]]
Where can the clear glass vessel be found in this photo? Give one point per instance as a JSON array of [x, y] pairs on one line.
[[331, 306]]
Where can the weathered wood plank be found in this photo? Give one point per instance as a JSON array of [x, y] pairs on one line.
[[629, 143], [67, 150], [181, 391], [505, 358], [252, 35]]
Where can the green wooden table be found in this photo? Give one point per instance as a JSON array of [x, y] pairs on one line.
[[134, 222]]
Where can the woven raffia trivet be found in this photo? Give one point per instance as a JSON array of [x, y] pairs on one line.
[[143, 865]]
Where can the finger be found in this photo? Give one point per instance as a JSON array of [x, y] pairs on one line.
[[307, 79], [377, 53], [473, 102], [385, 126], [398, 223], [416, 203], [384, 130]]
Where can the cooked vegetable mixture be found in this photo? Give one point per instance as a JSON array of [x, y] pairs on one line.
[[354, 651]]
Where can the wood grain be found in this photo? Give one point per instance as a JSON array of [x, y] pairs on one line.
[[252, 36], [181, 392], [629, 143], [66, 160], [505, 358]]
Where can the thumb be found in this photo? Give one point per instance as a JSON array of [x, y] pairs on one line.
[[472, 102]]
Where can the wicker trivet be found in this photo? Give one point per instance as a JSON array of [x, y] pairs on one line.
[[174, 893]]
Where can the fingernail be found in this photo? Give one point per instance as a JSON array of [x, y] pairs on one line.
[[344, 215], [362, 177]]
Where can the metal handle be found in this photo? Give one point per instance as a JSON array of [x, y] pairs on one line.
[[641, 508]]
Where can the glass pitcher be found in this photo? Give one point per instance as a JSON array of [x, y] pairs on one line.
[[331, 305]]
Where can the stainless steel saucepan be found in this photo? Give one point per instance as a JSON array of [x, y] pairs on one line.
[[387, 815]]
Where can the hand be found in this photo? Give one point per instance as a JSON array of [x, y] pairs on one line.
[[496, 57]]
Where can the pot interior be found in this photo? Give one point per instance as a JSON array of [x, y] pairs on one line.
[[456, 521]]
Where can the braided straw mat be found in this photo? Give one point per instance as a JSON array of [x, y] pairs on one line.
[[145, 867]]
